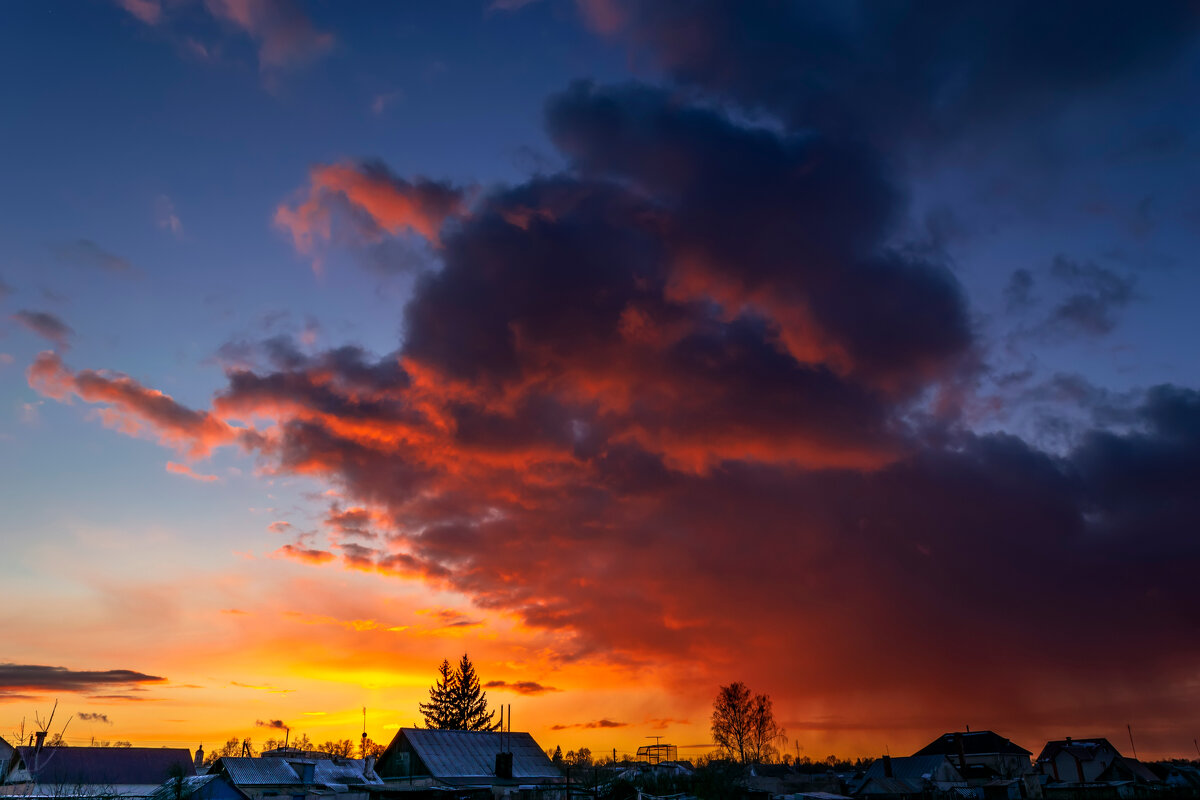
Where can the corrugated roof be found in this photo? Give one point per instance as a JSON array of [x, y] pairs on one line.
[[894, 786], [910, 767], [472, 754], [257, 771], [345, 770], [106, 765]]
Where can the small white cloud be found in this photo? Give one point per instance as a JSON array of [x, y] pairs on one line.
[[165, 216]]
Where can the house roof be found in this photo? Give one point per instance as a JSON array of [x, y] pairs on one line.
[[346, 771], [105, 765], [275, 771], [974, 743], [1083, 749], [256, 771], [192, 785], [910, 767], [472, 754], [898, 786]]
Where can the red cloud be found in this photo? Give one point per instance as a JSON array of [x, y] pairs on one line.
[[131, 406], [187, 472], [285, 35], [375, 201], [305, 555]]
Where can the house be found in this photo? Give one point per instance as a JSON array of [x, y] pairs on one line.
[[1076, 760], [981, 756], [129, 772], [6, 754], [421, 756], [298, 778], [199, 787], [931, 771], [881, 787]]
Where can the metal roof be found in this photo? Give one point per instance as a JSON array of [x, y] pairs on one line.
[[258, 771], [106, 765], [472, 754], [910, 767], [345, 771]]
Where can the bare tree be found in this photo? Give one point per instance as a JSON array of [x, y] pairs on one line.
[[743, 725]]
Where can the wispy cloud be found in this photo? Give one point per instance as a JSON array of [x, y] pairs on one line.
[[521, 687], [176, 468], [86, 253], [46, 325]]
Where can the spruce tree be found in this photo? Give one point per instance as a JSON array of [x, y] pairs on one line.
[[468, 700], [439, 712]]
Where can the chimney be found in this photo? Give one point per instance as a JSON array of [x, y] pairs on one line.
[[41, 740], [887, 766], [504, 765], [199, 757], [962, 753], [368, 765], [1068, 741]]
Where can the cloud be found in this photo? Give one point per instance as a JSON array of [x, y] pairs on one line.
[[694, 397], [898, 73], [521, 687], [5, 289], [94, 717], [165, 216], [186, 471], [47, 326], [600, 723], [131, 407], [86, 253], [286, 37], [1098, 295], [304, 554], [279, 526], [37, 678], [148, 11], [370, 203]]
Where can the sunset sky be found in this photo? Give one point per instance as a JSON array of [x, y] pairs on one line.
[[845, 349]]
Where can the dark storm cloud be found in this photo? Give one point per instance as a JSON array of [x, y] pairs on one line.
[[917, 71], [31, 677], [46, 325], [694, 396]]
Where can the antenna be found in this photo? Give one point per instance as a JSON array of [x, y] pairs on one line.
[[364, 736], [1197, 746], [1131, 744]]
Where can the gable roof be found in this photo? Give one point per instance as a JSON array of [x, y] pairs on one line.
[[275, 771], [195, 786], [911, 767], [105, 765], [1083, 749], [974, 743], [472, 754]]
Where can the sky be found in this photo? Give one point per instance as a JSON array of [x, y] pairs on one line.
[[633, 348]]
